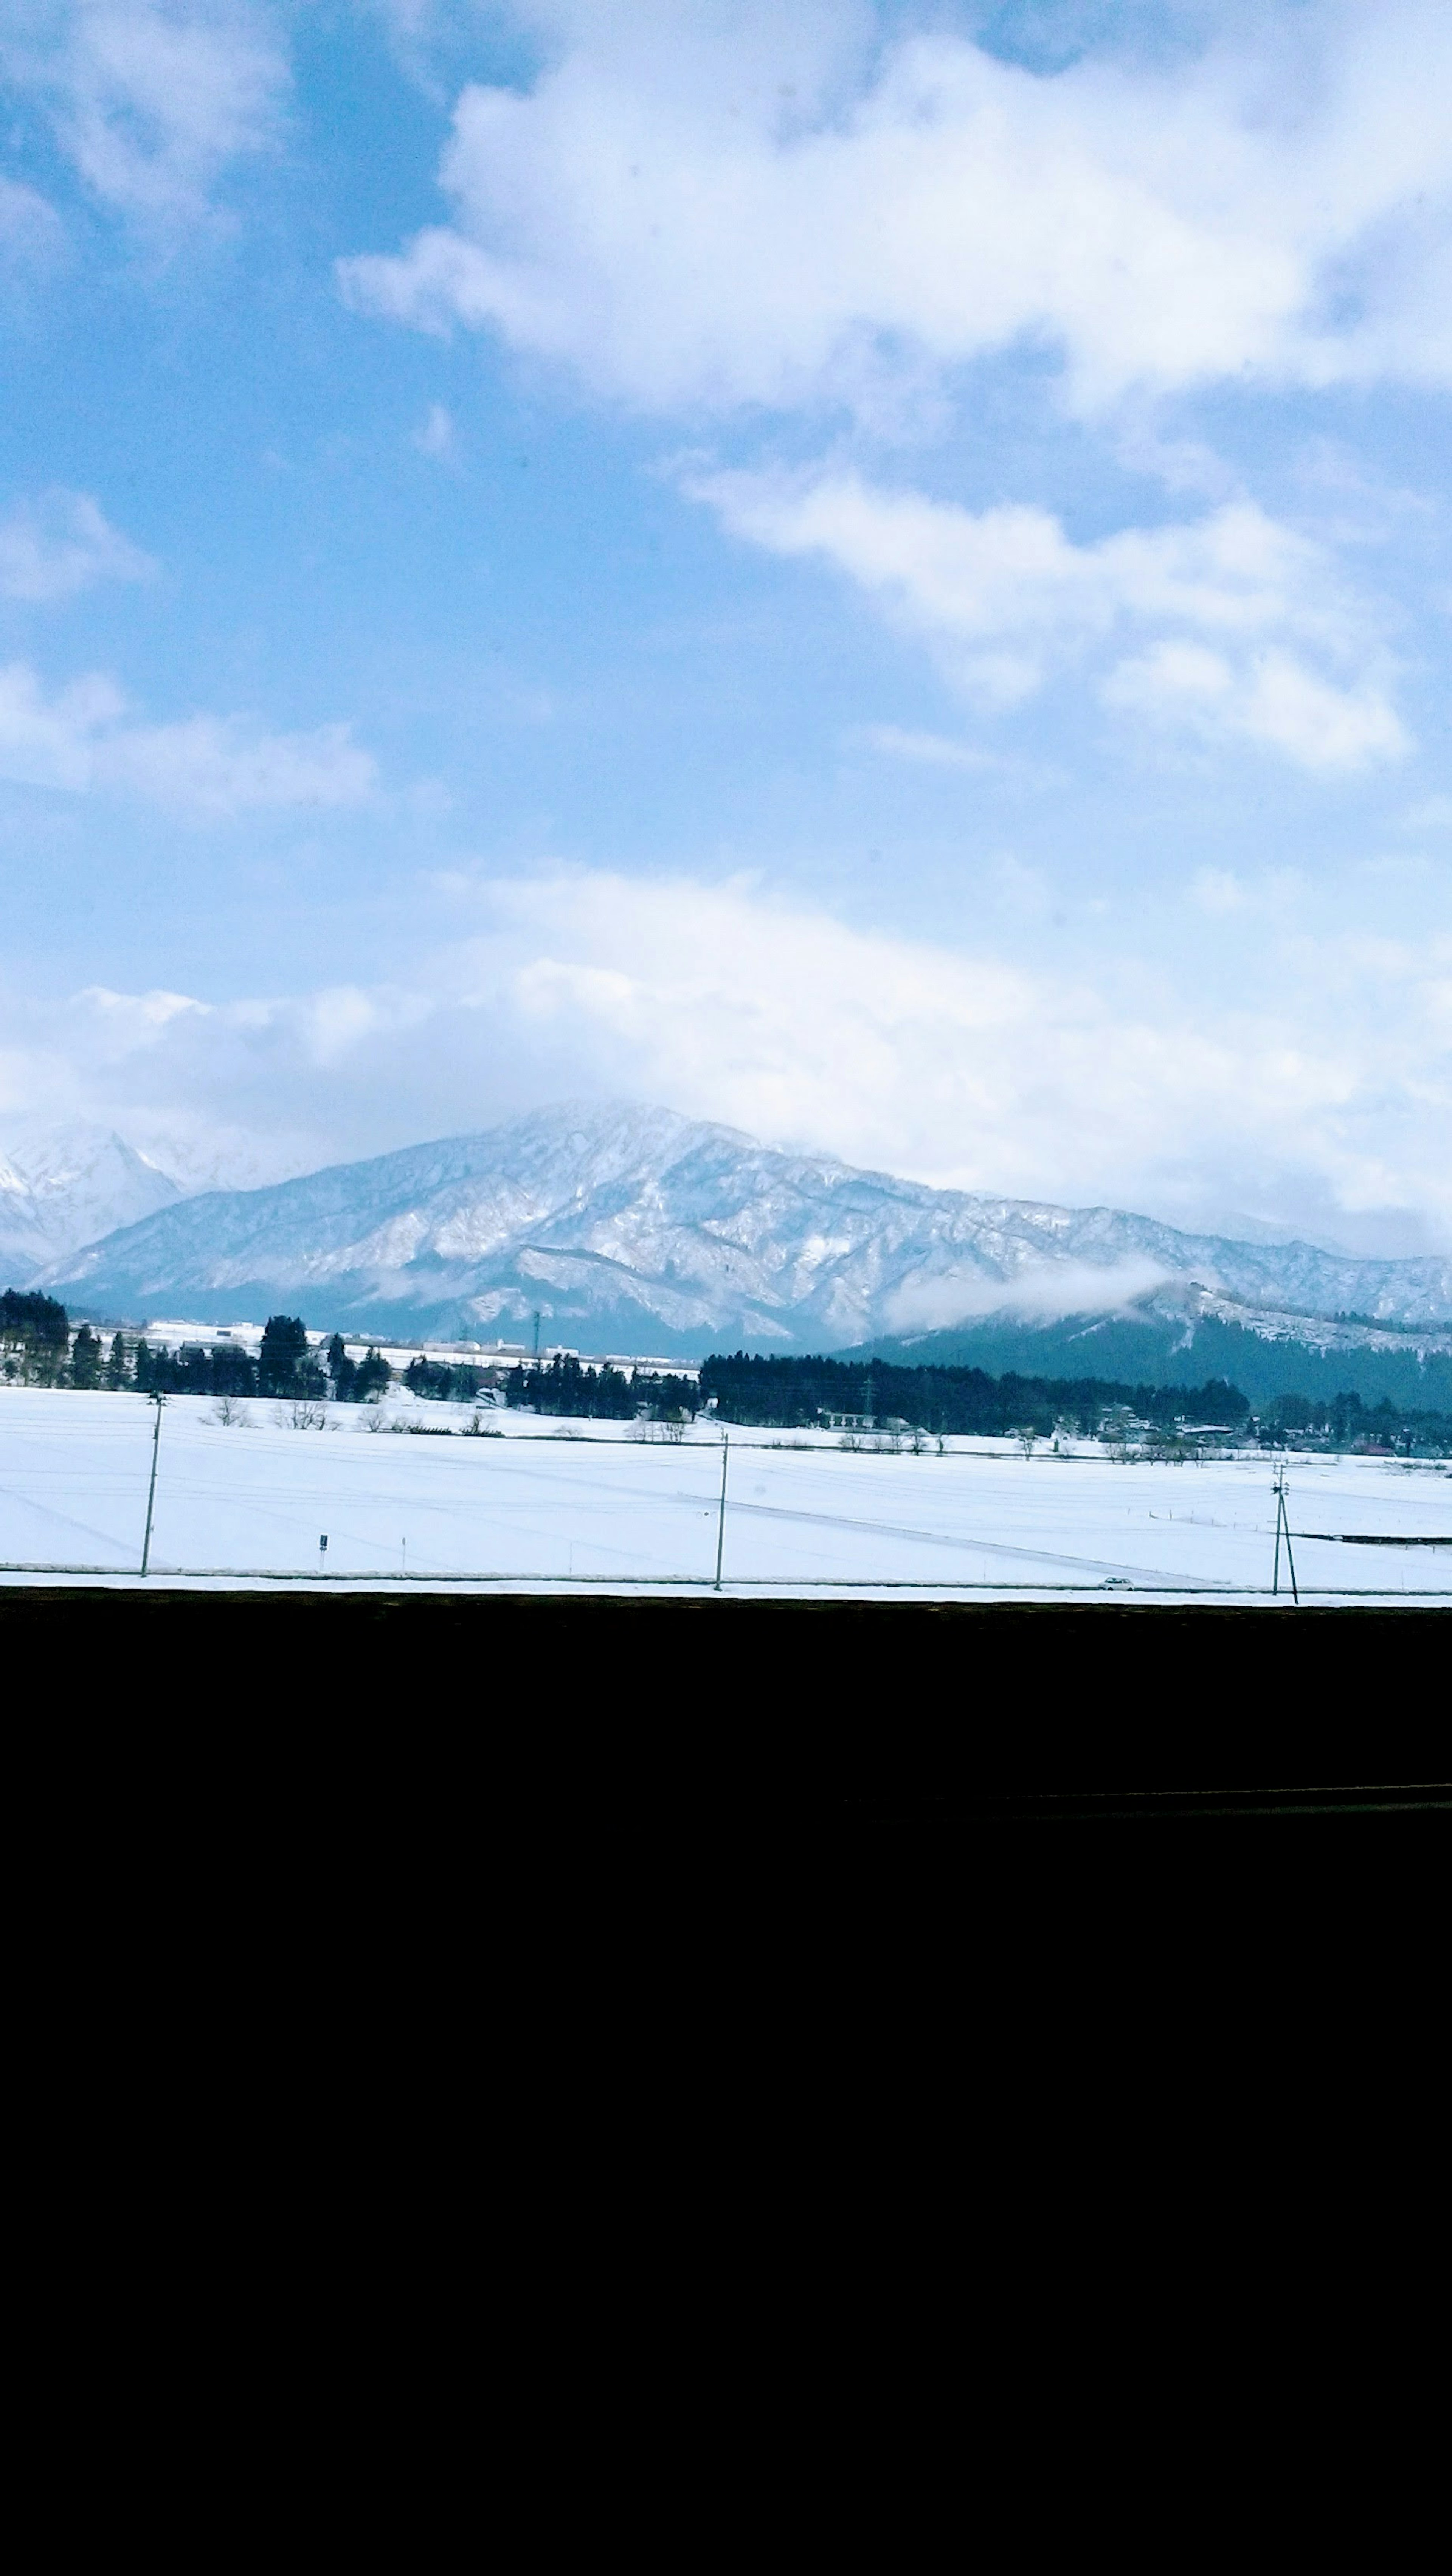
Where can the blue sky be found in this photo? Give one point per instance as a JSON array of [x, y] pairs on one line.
[[882, 575]]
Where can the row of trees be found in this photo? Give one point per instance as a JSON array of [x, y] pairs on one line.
[[34, 1337], [285, 1366], [564, 1385], [441, 1384], [37, 1349], [1345, 1422], [793, 1393]]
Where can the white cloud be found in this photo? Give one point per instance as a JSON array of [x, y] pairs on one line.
[[929, 750], [947, 1065], [1272, 700], [214, 766], [48, 742], [1004, 595], [1062, 1288], [29, 226], [1218, 891], [437, 437], [151, 99], [761, 207], [54, 546], [206, 767], [1434, 814]]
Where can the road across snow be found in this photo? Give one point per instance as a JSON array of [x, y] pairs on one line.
[[547, 1502]]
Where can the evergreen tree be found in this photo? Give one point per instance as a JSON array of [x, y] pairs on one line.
[[118, 1367], [342, 1370], [565, 1385], [86, 1352], [374, 1374], [282, 1367], [234, 1372], [35, 1336]]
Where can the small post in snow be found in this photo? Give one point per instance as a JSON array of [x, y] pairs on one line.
[[158, 1401], [721, 1522]]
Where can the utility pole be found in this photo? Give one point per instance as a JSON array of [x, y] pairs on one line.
[[1283, 1529], [158, 1401], [721, 1522]]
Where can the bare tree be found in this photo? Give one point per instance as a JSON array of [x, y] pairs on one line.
[[304, 1413], [1028, 1441], [229, 1409]]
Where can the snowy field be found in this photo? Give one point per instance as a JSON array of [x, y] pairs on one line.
[[590, 1504]]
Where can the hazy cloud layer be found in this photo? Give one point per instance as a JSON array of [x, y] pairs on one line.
[[951, 1067]]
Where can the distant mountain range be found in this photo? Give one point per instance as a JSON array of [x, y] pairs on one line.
[[62, 1186], [634, 1229]]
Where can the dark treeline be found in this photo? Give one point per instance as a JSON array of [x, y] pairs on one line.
[[793, 1393], [37, 1349], [442, 1384], [34, 1337], [565, 1386], [1344, 1419], [285, 1366]]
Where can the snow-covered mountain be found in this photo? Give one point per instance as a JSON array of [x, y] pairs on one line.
[[628, 1228], [61, 1186]]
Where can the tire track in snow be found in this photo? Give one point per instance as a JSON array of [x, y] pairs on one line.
[[1155, 1575]]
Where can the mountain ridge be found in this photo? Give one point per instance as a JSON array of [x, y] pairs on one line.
[[634, 1227]]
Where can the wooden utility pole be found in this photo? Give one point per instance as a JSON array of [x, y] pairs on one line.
[[721, 1522], [1283, 1530], [158, 1401]]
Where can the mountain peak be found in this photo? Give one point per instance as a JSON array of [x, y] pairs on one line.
[[64, 1183]]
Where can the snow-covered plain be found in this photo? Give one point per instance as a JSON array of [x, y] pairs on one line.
[[589, 1504]]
